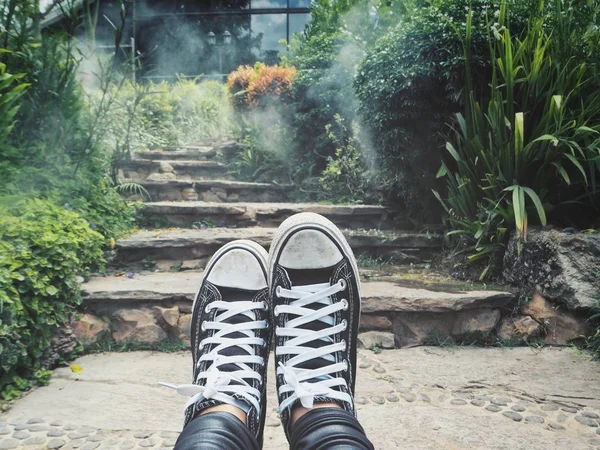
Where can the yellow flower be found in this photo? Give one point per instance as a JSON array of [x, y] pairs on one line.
[[112, 243], [76, 368]]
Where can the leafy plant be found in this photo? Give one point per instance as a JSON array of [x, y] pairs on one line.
[[45, 251], [533, 148]]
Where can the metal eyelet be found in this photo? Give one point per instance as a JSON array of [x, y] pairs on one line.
[[278, 291], [345, 362], [344, 325], [345, 345], [207, 308], [276, 311], [345, 303], [203, 326], [342, 284], [265, 306]]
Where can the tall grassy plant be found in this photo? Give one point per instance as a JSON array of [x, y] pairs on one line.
[[534, 147]]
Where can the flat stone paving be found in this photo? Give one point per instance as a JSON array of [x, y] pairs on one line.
[[420, 398]]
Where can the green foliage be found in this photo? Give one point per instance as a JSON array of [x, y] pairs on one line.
[[347, 177], [530, 151], [45, 251], [162, 114]]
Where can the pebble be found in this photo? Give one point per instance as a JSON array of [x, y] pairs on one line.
[[175, 434], [25, 434], [555, 426], [98, 437], [55, 432], [91, 446], [500, 401], [586, 421], [360, 400], [77, 443], [270, 422], [6, 444], [569, 409], [36, 440], [458, 402], [402, 389], [171, 442], [597, 430], [513, 415], [425, 398], [562, 418], [409, 397], [392, 398], [379, 369], [79, 434], [142, 434], [493, 408], [21, 426], [56, 443], [36, 420], [550, 407], [70, 427], [126, 445], [364, 365], [57, 423], [85, 429], [590, 414], [38, 427], [477, 402], [378, 400], [147, 442], [518, 408], [534, 419], [4, 431]]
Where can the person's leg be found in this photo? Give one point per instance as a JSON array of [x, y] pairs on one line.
[[315, 291], [230, 338]]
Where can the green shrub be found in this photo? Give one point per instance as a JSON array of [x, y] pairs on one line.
[[410, 84], [530, 152], [44, 252]]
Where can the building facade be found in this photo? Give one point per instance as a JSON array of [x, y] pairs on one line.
[[208, 38]]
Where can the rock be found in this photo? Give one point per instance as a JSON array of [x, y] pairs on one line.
[[372, 339], [142, 434], [493, 408], [563, 265], [518, 408], [56, 432], [371, 322], [550, 407], [360, 400], [417, 328], [191, 264], [56, 443], [91, 446], [500, 401], [184, 325], [136, 325], [378, 400], [534, 419], [88, 328], [561, 326], [409, 397], [555, 426], [425, 398], [189, 194], [38, 427], [126, 445], [37, 440], [520, 328], [35, 420], [378, 369], [165, 167], [458, 402], [161, 177], [513, 415], [170, 316], [478, 402], [8, 444], [584, 421], [23, 434], [590, 414], [364, 365], [476, 321], [569, 409], [392, 398]]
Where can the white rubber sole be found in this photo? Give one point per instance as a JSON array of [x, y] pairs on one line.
[[314, 221], [257, 250]]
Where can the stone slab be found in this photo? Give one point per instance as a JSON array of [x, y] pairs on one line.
[[196, 153], [117, 396], [377, 296]]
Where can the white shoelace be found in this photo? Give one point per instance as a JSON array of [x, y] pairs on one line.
[[296, 377], [218, 384]]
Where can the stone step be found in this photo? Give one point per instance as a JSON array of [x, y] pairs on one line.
[[216, 191], [186, 245], [413, 315], [186, 214], [152, 170], [179, 153]]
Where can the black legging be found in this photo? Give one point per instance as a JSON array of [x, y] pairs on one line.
[[318, 429]]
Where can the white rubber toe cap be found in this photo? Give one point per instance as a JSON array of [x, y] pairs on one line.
[[239, 269], [309, 249]]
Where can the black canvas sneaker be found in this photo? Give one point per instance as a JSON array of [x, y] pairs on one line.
[[315, 293], [230, 335]]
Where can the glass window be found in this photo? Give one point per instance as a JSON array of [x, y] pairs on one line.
[[267, 31], [300, 3], [268, 4], [297, 23], [146, 8], [229, 5]]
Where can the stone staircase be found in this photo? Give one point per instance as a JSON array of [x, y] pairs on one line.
[[196, 206]]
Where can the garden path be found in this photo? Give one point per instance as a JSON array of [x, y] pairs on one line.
[[419, 398]]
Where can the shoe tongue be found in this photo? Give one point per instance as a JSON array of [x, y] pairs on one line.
[[303, 277]]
